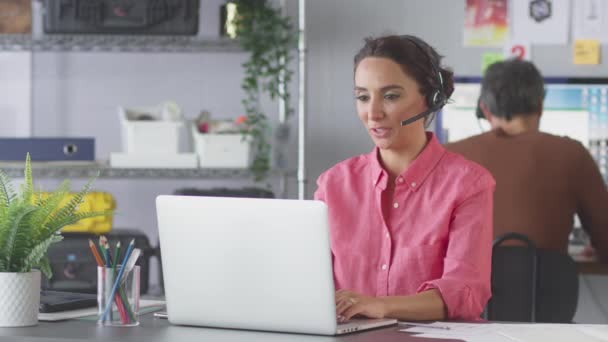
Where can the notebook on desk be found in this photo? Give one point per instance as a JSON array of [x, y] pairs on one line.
[[259, 264], [55, 301]]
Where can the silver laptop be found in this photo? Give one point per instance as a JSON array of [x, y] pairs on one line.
[[259, 264]]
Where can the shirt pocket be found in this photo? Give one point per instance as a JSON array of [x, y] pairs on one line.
[[414, 265]]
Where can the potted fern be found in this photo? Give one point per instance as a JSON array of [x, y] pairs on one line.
[[29, 224]]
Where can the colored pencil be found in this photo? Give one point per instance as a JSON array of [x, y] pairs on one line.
[[95, 253]]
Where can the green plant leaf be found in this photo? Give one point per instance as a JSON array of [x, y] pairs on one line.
[[47, 207], [36, 254], [268, 36], [7, 194], [28, 185], [45, 267], [74, 218], [16, 213], [68, 211]]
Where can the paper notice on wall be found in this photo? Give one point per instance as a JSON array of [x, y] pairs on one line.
[[489, 58], [15, 87], [485, 22], [589, 20], [586, 52], [540, 21]]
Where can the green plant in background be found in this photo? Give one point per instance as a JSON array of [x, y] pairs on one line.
[[29, 224], [269, 37]]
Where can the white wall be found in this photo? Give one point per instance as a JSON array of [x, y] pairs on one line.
[[15, 102]]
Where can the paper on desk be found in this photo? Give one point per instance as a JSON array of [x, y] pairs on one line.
[[473, 332], [555, 332], [495, 332], [145, 305]]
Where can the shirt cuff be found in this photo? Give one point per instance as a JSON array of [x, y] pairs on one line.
[[457, 298]]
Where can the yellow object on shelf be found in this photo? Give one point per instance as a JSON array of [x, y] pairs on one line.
[[93, 201]]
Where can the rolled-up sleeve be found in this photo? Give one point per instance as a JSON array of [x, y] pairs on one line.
[[465, 283], [321, 185]]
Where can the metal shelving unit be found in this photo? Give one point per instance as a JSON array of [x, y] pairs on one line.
[[37, 42], [90, 169], [115, 43]]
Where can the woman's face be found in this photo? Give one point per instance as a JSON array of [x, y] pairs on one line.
[[385, 96]]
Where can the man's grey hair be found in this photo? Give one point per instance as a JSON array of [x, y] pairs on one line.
[[512, 87]]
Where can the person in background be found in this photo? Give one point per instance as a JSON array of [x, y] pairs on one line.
[[410, 223], [542, 180]]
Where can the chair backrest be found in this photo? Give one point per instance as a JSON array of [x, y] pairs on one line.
[[530, 284]]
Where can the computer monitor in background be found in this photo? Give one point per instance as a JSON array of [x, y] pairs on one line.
[[573, 107]]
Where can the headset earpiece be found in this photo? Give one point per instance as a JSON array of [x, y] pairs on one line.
[[436, 99]]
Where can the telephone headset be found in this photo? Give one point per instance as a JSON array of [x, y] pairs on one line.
[[478, 112], [437, 98]]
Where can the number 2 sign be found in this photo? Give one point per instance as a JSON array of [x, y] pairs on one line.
[[518, 50]]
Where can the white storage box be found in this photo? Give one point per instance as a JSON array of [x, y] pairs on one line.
[[155, 136], [222, 150]]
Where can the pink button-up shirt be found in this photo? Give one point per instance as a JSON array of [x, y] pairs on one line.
[[438, 234]]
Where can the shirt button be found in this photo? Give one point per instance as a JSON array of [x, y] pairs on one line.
[[400, 179], [395, 205], [413, 184], [388, 235], [384, 267]]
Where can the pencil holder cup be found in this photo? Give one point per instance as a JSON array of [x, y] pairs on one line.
[[118, 298]]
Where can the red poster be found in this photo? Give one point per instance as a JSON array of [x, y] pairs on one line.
[[486, 22]]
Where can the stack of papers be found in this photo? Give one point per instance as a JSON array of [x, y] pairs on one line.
[[495, 332]]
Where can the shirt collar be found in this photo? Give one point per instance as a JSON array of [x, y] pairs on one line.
[[418, 171]]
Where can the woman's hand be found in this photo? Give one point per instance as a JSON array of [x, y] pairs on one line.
[[349, 304]]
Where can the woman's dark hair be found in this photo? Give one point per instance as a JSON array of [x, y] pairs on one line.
[[417, 59], [512, 87]]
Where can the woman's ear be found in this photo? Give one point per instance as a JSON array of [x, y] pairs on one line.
[[484, 110]]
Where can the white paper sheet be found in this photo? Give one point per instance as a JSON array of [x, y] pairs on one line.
[[554, 332], [589, 20], [495, 332], [473, 332], [554, 29]]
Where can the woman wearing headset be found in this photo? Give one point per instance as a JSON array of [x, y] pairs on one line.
[[410, 223]]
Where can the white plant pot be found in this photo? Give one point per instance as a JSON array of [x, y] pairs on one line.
[[19, 299]]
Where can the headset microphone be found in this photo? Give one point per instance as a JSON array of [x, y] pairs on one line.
[[423, 114]]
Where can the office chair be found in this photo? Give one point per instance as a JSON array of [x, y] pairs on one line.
[[531, 284]]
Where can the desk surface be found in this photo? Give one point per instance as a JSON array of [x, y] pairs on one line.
[[588, 265], [592, 267], [153, 329]]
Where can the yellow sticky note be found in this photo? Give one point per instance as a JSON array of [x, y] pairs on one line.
[[586, 51], [489, 58]]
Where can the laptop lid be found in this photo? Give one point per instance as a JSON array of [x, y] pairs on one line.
[[261, 264]]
